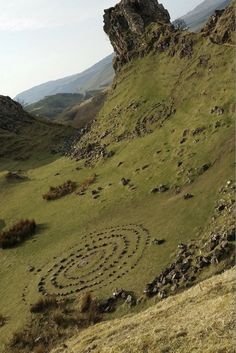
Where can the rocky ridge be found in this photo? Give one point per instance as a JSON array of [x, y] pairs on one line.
[[12, 115], [221, 26]]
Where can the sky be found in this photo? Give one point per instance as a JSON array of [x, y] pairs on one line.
[[43, 40]]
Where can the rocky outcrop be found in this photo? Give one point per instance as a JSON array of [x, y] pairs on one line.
[[12, 115], [221, 26], [136, 27], [126, 23]]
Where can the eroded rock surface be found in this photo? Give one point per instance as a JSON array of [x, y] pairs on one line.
[[221, 26], [126, 22]]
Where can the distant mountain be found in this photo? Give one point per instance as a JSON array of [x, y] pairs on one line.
[[83, 113], [97, 77], [196, 18]]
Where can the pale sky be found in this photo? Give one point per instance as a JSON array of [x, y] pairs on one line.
[[44, 40]]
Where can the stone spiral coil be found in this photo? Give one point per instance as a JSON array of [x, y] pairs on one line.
[[100, 259]]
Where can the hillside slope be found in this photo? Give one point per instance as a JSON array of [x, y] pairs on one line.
[[199, 320], [153, 208], [80, 115], [24, 137], [96, 77]]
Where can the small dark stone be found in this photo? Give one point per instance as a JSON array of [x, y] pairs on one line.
[[158, 241], [188, 196], [124, 181]]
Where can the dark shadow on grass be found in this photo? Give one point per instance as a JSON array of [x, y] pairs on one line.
[[2, 224], [40, 229], [9, 164]]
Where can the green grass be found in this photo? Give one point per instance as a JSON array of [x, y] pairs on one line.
[[63, 222]]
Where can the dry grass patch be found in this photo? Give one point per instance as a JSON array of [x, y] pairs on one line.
[[87, 182], [2, 320], [44, 304], [52, 322], [17, 234], [59, 191]]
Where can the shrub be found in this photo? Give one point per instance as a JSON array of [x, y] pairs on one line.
[[59, 191], [85, 302], [44, 304], [17, 234], [52, 322]]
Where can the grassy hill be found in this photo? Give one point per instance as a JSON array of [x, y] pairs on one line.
[[166, 119], [25, 138]]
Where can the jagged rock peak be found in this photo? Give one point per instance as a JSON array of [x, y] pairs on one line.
[[127, 21], [134, 15]]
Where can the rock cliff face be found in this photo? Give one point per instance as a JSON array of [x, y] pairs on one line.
[[221, 26], [126, 23], [12, 115]]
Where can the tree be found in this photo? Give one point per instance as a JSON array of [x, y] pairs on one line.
[[180, 24]]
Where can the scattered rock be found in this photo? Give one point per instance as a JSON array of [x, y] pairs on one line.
[[130, 300], [16, 176], [204, 168], [120, 164], [217, 110], [198, 130], [30, 268], [158, 241], [183, 140], [188, 196], [162, 188], [124, 181], [118, 293]]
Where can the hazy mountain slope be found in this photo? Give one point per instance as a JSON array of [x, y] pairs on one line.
[[199, 320], [81, 114], [200, 14], [96, 77]]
